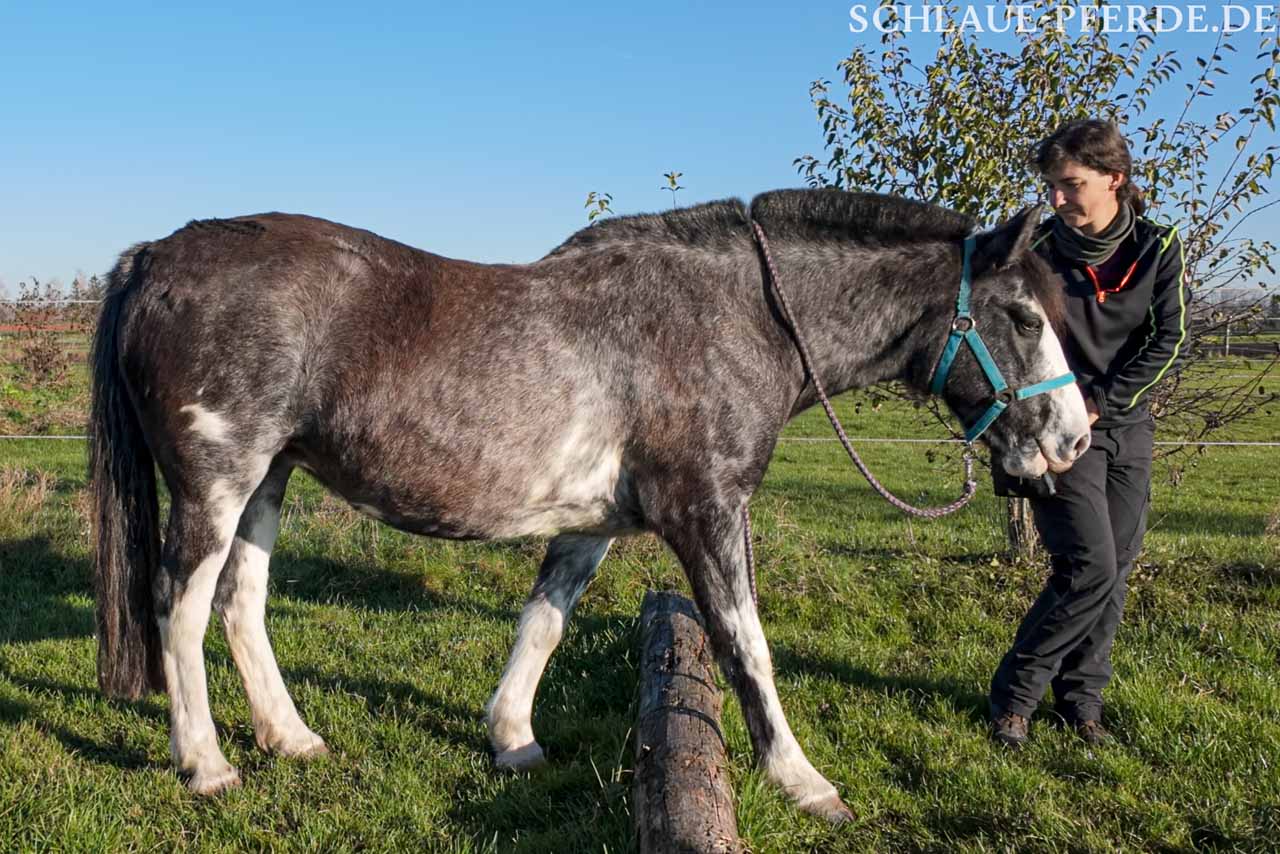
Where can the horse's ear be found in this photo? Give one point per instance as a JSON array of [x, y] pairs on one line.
[[1005, 244]]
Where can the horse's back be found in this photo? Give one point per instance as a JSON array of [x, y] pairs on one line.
[[272, 300]]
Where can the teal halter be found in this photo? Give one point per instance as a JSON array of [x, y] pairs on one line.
[[965, 330]]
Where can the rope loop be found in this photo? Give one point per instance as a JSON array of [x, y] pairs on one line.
[[970, 485]]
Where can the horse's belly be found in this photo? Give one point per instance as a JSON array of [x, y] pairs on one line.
[[578, 487], [579, 512]]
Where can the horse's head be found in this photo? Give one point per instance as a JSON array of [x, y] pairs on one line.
[[1017, 308]]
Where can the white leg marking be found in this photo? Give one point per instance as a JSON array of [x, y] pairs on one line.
[[511, 709], [276, 723], [541, 627], [192, 739], [785, 763]]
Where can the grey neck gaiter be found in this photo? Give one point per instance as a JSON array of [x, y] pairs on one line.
[[1093, 249]]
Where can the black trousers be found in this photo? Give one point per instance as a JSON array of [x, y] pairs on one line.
[[1092, 528]]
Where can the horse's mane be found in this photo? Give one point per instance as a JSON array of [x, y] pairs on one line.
[[707, 225], [829, 214], [824, 214]]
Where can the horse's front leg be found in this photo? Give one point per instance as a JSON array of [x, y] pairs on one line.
[[568, 567], [709, 542]]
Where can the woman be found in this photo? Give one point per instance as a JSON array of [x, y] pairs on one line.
[[1126, 327]]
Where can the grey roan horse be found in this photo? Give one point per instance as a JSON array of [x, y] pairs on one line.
[[635, 379]]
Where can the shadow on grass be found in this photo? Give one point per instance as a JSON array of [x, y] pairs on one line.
[[582, 718], [1201, 522], [368, 585], [435, 715], [117, 756], [1251, 575], [962, 697], [879, 554], [1207, 834], [114, 754], [35, 579], [582, 713], [13, 711]]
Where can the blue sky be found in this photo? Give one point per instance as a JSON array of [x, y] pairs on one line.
[[471, 130]]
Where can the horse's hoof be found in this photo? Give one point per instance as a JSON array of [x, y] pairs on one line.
[[317, 750], [305, 745], [831, 808], [525, 758], [214, 782], [312, 750]]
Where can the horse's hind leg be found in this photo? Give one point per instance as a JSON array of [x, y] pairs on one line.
[[202, 523], [566, 570], [241, 599]]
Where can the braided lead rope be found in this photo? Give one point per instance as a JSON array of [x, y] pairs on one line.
[[970, 485]]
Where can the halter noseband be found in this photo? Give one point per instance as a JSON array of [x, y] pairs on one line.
[[965, 330]]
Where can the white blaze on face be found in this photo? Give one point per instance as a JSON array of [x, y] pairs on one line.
[[1068, 403], [1067, 417]]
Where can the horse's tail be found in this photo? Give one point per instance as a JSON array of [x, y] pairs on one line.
[[126, 513]]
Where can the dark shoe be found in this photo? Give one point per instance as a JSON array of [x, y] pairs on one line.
[[1010, 730], [1093, 733]]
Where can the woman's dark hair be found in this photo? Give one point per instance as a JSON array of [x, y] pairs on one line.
[[1097, 144]]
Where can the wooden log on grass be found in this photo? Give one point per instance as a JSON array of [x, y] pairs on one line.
[[683, 800]]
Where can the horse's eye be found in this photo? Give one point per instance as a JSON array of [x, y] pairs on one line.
[[1029, 325]]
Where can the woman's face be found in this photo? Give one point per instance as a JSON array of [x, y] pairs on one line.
[[1084, 198]]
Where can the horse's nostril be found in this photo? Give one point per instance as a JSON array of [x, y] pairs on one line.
[[1081, 445]]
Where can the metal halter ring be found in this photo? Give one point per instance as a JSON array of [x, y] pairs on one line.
[[963, 323]]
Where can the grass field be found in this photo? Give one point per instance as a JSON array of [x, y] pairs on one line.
[[884, 631]]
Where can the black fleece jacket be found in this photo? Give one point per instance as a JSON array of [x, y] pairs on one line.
[[1121, 343]]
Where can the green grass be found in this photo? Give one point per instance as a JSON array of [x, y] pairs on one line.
[[884, 630], [29, 406]]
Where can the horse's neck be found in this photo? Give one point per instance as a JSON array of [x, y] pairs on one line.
[[867, 315]]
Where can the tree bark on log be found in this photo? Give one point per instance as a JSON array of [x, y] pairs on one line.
[[683, 799]]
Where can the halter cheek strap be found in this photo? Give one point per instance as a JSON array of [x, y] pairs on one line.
[[964, 330]]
